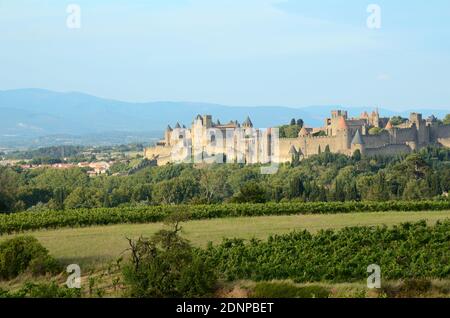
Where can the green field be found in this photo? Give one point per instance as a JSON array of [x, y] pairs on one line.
[[100, 244]]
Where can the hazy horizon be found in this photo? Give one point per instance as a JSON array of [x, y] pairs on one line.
[[369, 107]]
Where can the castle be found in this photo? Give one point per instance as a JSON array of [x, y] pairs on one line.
[[207, 141]]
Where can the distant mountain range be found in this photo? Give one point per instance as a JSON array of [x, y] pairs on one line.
[[37, 114]]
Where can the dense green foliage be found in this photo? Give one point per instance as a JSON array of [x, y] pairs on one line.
[[325, 177], [166, 266], [375, 130], [405, 251], [42, 290], [397, 120], [250, 192], [25, 253], [446, 120], [24, 221], [291, 130]]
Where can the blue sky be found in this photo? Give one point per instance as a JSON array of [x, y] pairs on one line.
[[235, 52]]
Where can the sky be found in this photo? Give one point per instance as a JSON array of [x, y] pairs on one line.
[[234, 52]]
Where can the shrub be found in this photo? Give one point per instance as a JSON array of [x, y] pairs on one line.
[[410, 287], [415, 286], [44, 264], [23, 253], [197, 279], [42, 290], [167, 266]]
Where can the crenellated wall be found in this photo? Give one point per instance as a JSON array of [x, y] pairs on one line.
[[403, 135], [423, 135], [310, 145], [441, 131], [441, 134], [254, 146], [162, 154], [376, 141], [386, 150]]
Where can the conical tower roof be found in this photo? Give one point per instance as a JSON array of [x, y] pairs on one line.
[[169, 128], [389, 125], [177, 125], [247, 122], [303, 132], [357, 140]]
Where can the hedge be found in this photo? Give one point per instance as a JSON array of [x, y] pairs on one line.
[[24, 221]]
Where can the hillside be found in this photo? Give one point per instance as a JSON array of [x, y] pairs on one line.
[[42, 117]]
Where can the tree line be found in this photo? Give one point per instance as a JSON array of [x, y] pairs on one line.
[[325, 177]]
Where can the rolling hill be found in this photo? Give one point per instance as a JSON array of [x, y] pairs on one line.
[[37, 114]]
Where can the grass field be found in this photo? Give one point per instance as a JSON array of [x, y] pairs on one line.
[[94, 246]]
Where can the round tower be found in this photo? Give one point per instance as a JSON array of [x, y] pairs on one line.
[[168, 135], [343, 133]]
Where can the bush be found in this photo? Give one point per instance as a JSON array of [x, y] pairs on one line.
[[167, 266], [415, 286], [287, 290], [43, 290], [409, 288], [44, 264], [197, 279], [23, 253]]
